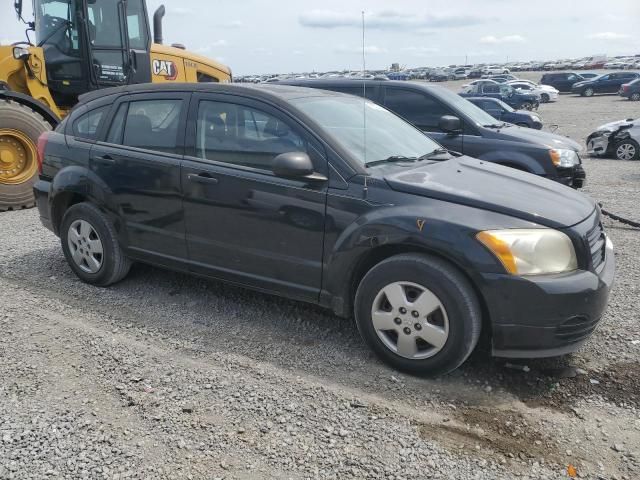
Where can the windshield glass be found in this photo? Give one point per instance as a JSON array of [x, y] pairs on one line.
[[506, 90], [506, 106], [386, 135], [54, 24], [465, 108]]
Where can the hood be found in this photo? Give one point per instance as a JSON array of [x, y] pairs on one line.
[[479, 184], [613, 126], [538, 137]]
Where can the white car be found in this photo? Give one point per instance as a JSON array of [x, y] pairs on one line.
[[468, 87], [616, 139], [493, 70], [547, 93]]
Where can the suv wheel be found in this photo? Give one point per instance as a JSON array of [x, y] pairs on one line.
[[90, 245], [628, 150], [418, 313], [588, 92], [635, 96]]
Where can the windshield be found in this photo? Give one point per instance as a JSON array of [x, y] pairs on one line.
[[506, 106], [386, 135], [54, 24], [506, 90]]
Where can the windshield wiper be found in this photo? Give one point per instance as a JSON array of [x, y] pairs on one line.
[[391, 159], [436, 153], [496, 125]]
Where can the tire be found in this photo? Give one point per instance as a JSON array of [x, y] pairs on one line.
[[454, 324], [527, 106], [20, 128], [635, 96], [114, 265], [627, 149], [587, 92], [544, 98]]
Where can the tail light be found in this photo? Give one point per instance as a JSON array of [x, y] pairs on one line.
[[42, 143], [625, 88]]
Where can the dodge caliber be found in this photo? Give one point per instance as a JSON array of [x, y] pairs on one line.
[[329, 199]]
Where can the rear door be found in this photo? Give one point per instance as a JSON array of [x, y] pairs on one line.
[[425, 112], [138, 164], [244, 224]]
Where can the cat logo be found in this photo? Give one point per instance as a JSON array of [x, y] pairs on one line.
[[165, 68]]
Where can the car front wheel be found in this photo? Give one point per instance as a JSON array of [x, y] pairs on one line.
[[90, 245], [628, 149], [588, 92], [418, 313], [635, 96]]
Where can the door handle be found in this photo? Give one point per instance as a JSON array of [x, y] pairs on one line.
[[104, 159], [202, 178]]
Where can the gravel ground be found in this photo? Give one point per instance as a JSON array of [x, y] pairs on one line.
[[168, 376]]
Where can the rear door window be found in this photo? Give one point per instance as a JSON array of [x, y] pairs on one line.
[[153, 125], [418, 108]]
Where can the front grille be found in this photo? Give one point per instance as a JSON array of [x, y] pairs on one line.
[[597, 246], [576, 329]]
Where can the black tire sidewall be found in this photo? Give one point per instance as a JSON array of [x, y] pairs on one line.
[[453, 291], [92, 215]]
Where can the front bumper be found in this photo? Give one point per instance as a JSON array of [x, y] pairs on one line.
[[547, 316], [598, 144], [574, 176]]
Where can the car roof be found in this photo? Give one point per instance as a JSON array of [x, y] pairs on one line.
[[267, 91], [319, 82]]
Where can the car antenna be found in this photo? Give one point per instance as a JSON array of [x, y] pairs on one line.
[[364, 105]]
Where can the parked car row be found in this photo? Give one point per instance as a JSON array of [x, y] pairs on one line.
[[425, 247]]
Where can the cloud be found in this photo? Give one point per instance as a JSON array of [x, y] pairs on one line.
[[232, 24], [609, 36], [212, 45], [420, 51], [369, 49], [182, 11], [298, 52], [492, 40], [387, 19]]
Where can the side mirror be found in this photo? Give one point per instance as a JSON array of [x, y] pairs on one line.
[[294, 165], [450, 124]]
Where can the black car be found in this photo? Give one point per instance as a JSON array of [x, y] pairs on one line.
[[509, 95], [280, 189], [561, 81], [501, 111], [477, 134], [607, 83], [631, 90]]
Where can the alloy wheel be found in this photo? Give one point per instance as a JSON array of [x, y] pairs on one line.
[[85, 246], [626, 151], [410, 320]]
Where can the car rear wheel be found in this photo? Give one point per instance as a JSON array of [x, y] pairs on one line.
[[588, 92], [635, 96], [544, 98], [627, 150], [418, 313], [527, 106], [90, 245]]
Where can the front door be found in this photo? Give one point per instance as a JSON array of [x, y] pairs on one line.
[[244, 224], [138, 162]]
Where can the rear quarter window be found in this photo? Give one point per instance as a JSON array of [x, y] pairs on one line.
[[87, 125]]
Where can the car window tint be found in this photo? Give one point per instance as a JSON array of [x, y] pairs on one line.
[[417, 108], [368, 92], [153, 125], [117, 125], [242, 135], [86, 126]]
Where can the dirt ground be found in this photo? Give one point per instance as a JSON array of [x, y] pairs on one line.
[[168, 376]]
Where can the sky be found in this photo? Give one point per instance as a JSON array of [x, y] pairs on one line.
[[286, 36]]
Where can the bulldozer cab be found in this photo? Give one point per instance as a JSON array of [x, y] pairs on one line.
[[91, 44]]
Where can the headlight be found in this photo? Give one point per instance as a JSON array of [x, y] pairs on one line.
[[531, 252], [562, 157], [536, 118], [20, 53]]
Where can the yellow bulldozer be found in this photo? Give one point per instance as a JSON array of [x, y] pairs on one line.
[[78, 46]]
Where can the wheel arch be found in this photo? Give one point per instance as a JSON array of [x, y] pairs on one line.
[[30, 102], [374, 256], [61, 203]]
